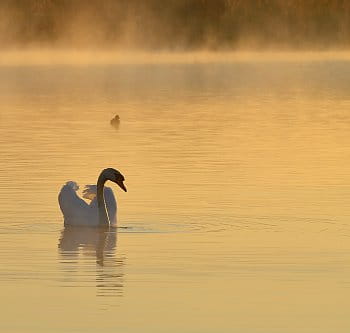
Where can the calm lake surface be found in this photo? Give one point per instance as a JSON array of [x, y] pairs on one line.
[[237, 213]]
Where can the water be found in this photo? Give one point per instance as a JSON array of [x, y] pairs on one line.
[[236, 217]]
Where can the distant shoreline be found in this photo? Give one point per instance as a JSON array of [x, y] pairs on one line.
[[18, 57]]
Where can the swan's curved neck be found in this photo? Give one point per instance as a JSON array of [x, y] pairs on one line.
[[102, 209]]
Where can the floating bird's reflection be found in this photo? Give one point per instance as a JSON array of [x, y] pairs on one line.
[[100, 244]]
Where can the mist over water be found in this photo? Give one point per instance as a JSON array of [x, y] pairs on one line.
[[176, 24]]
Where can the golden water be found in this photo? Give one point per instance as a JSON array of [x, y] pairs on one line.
[[237, 213]]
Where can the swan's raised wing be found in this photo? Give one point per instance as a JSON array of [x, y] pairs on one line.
[[90, 192], [72, 206]]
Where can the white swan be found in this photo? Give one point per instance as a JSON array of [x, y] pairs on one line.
[[102, 210]]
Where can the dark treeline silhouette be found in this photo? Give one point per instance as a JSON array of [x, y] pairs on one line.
[[176, 24]]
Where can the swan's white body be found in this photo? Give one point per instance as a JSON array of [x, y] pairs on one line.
[[102, 210], [78, 212]]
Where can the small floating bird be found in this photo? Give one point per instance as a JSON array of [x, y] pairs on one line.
[[115, 121], [102, 210]]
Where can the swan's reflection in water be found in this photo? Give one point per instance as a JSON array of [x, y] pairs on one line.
[[77, 246]]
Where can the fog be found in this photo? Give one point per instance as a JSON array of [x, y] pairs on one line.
[[175, 25]]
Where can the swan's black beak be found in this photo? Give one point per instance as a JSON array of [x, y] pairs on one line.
[[121, 185]]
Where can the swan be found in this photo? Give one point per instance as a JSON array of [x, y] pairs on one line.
[[102, 210]]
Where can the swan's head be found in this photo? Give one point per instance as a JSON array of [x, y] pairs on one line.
[[115, 176]]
